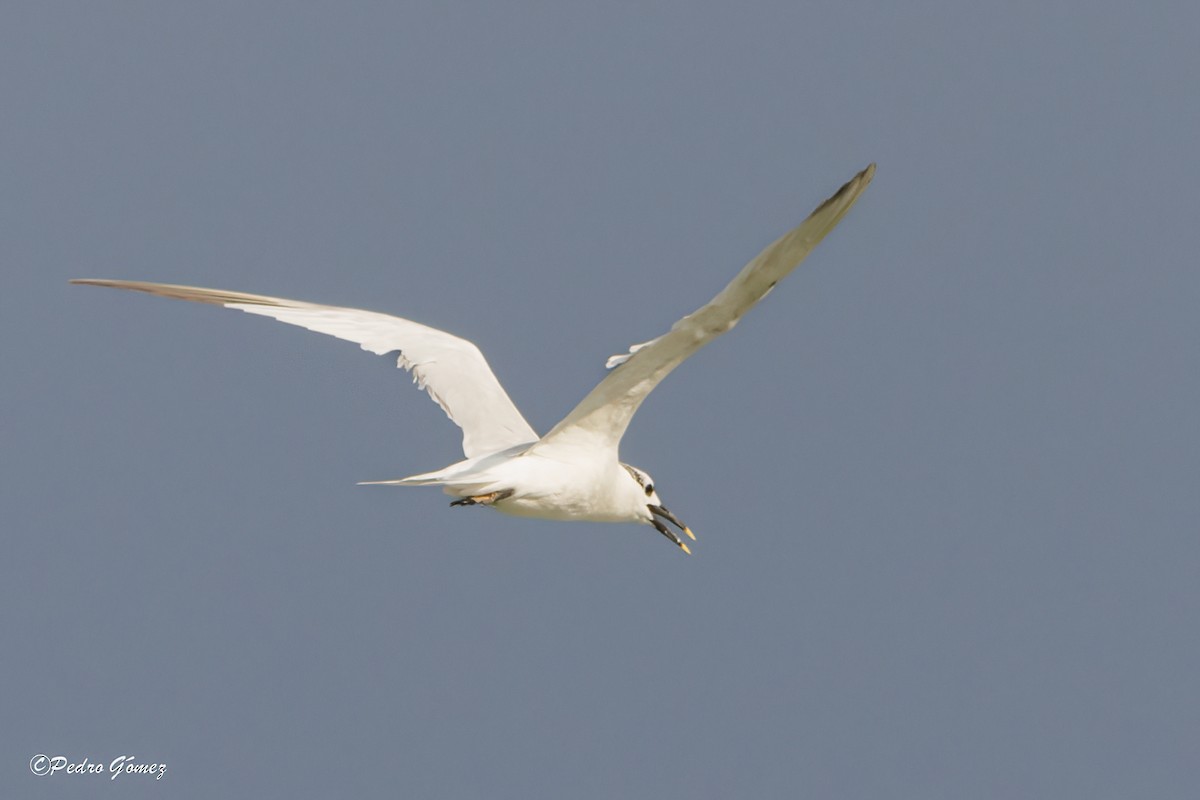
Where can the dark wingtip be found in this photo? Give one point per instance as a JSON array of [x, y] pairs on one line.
[[195, 294], [862, 178]]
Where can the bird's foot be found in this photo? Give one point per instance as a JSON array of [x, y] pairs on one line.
[[489, 499]]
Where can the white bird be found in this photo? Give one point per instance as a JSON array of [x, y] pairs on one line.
[[573, 472]]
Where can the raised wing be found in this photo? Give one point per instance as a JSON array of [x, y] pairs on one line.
[[601, 418], [450, 369]]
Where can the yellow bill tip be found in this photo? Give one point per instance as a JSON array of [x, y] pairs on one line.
[[685, 548], [688, 531]]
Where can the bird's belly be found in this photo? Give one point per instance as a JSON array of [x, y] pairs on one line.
[[560, 491], [557, 507]]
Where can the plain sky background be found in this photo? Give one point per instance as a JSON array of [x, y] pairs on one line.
[[946, 479]]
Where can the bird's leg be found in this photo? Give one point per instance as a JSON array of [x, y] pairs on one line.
[[484, 499]]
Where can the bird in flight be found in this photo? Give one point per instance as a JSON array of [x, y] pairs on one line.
[[574, 472]]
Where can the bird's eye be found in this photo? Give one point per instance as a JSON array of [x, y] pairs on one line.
[[649, 489]]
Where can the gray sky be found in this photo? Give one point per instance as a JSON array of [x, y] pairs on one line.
[[944, 479]]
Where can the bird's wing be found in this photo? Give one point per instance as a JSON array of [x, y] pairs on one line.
[[450, 369], [601, 418]]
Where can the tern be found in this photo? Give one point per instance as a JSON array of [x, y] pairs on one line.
[[574, 472]]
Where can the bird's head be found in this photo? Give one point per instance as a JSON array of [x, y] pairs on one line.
[[651, 511]]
